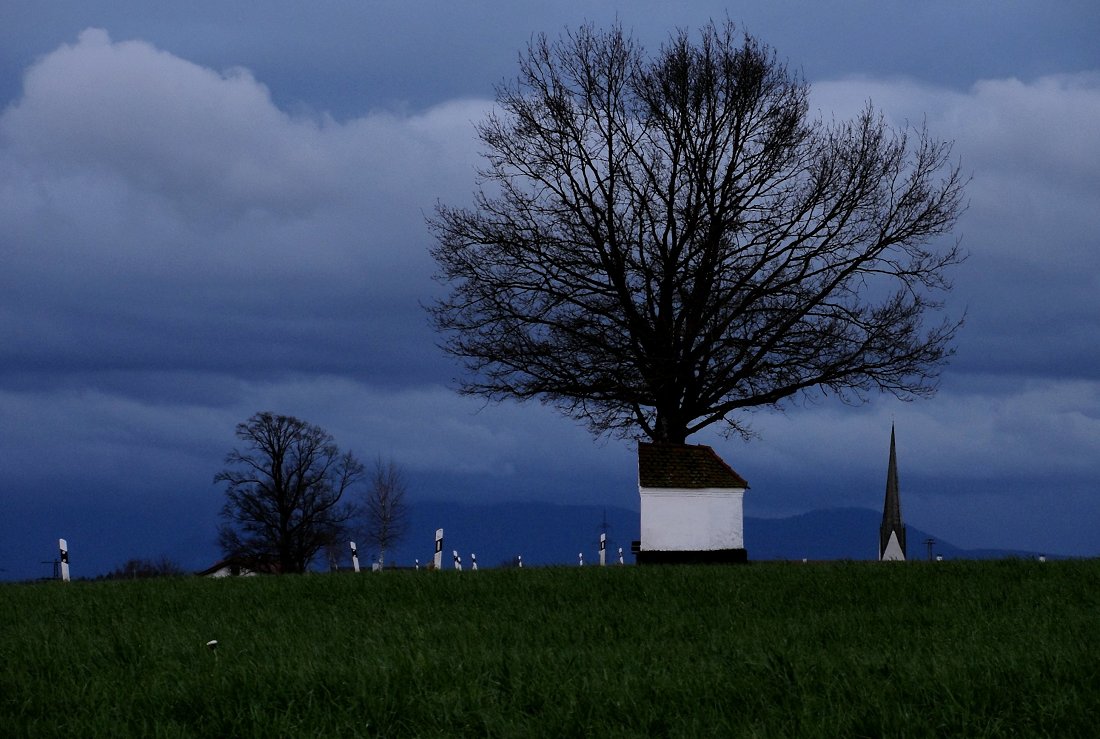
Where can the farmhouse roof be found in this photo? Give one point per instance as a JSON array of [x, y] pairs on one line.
[[684, 466]]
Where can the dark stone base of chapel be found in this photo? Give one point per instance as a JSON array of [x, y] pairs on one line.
[[703, 557]]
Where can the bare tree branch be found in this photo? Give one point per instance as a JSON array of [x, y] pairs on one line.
[[384, 509]]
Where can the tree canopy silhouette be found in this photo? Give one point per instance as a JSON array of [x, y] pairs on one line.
[[284, 492], [659, 242]]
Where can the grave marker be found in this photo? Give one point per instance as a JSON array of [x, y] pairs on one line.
[[438, 559], [354, 556], [458, 560], [603, 550]]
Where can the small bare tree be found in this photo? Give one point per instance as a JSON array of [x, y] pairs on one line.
[[284, 492], [385, 511]]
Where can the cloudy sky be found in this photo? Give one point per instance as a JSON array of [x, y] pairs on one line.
[[209, 209]]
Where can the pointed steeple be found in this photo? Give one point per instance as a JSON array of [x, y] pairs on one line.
[[891, 536]]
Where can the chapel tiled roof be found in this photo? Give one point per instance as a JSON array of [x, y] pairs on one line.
[[684, 466]]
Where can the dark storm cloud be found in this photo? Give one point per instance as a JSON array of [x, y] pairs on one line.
[[161, 215], [209, 210], [346, 58]]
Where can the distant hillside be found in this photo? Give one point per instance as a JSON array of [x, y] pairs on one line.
[[545, 534], [846, 533]]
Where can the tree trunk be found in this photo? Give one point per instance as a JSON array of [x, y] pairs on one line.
[[669, 428]]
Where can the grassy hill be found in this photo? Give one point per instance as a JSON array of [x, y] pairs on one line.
[[843, 649]]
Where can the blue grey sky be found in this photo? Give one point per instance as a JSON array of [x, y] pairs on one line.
[[209, 209]]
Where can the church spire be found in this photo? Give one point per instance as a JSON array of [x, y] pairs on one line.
[[891, 537]]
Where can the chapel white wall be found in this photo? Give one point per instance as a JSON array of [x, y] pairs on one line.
[[704, 519]]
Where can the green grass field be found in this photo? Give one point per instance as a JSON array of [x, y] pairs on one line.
[[1007, 648]]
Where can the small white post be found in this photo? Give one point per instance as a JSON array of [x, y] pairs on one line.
[[603, 550], [458, 560], [621, 555], [417, 564], [354, 556], [473, 561], [580, 558], [64, 559], [438, 559], [519, 559]]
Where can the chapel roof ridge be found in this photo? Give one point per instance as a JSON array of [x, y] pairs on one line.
[[684, 466]]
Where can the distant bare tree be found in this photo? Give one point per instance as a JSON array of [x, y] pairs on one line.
[[144, 568], [285, 492], [385, 511], [335, 551]]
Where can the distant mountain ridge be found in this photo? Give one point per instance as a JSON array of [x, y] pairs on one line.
[[846, 533], [552, 534]]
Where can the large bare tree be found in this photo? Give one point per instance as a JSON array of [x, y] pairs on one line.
[[385, 510], [658, 242], [285, 492]]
